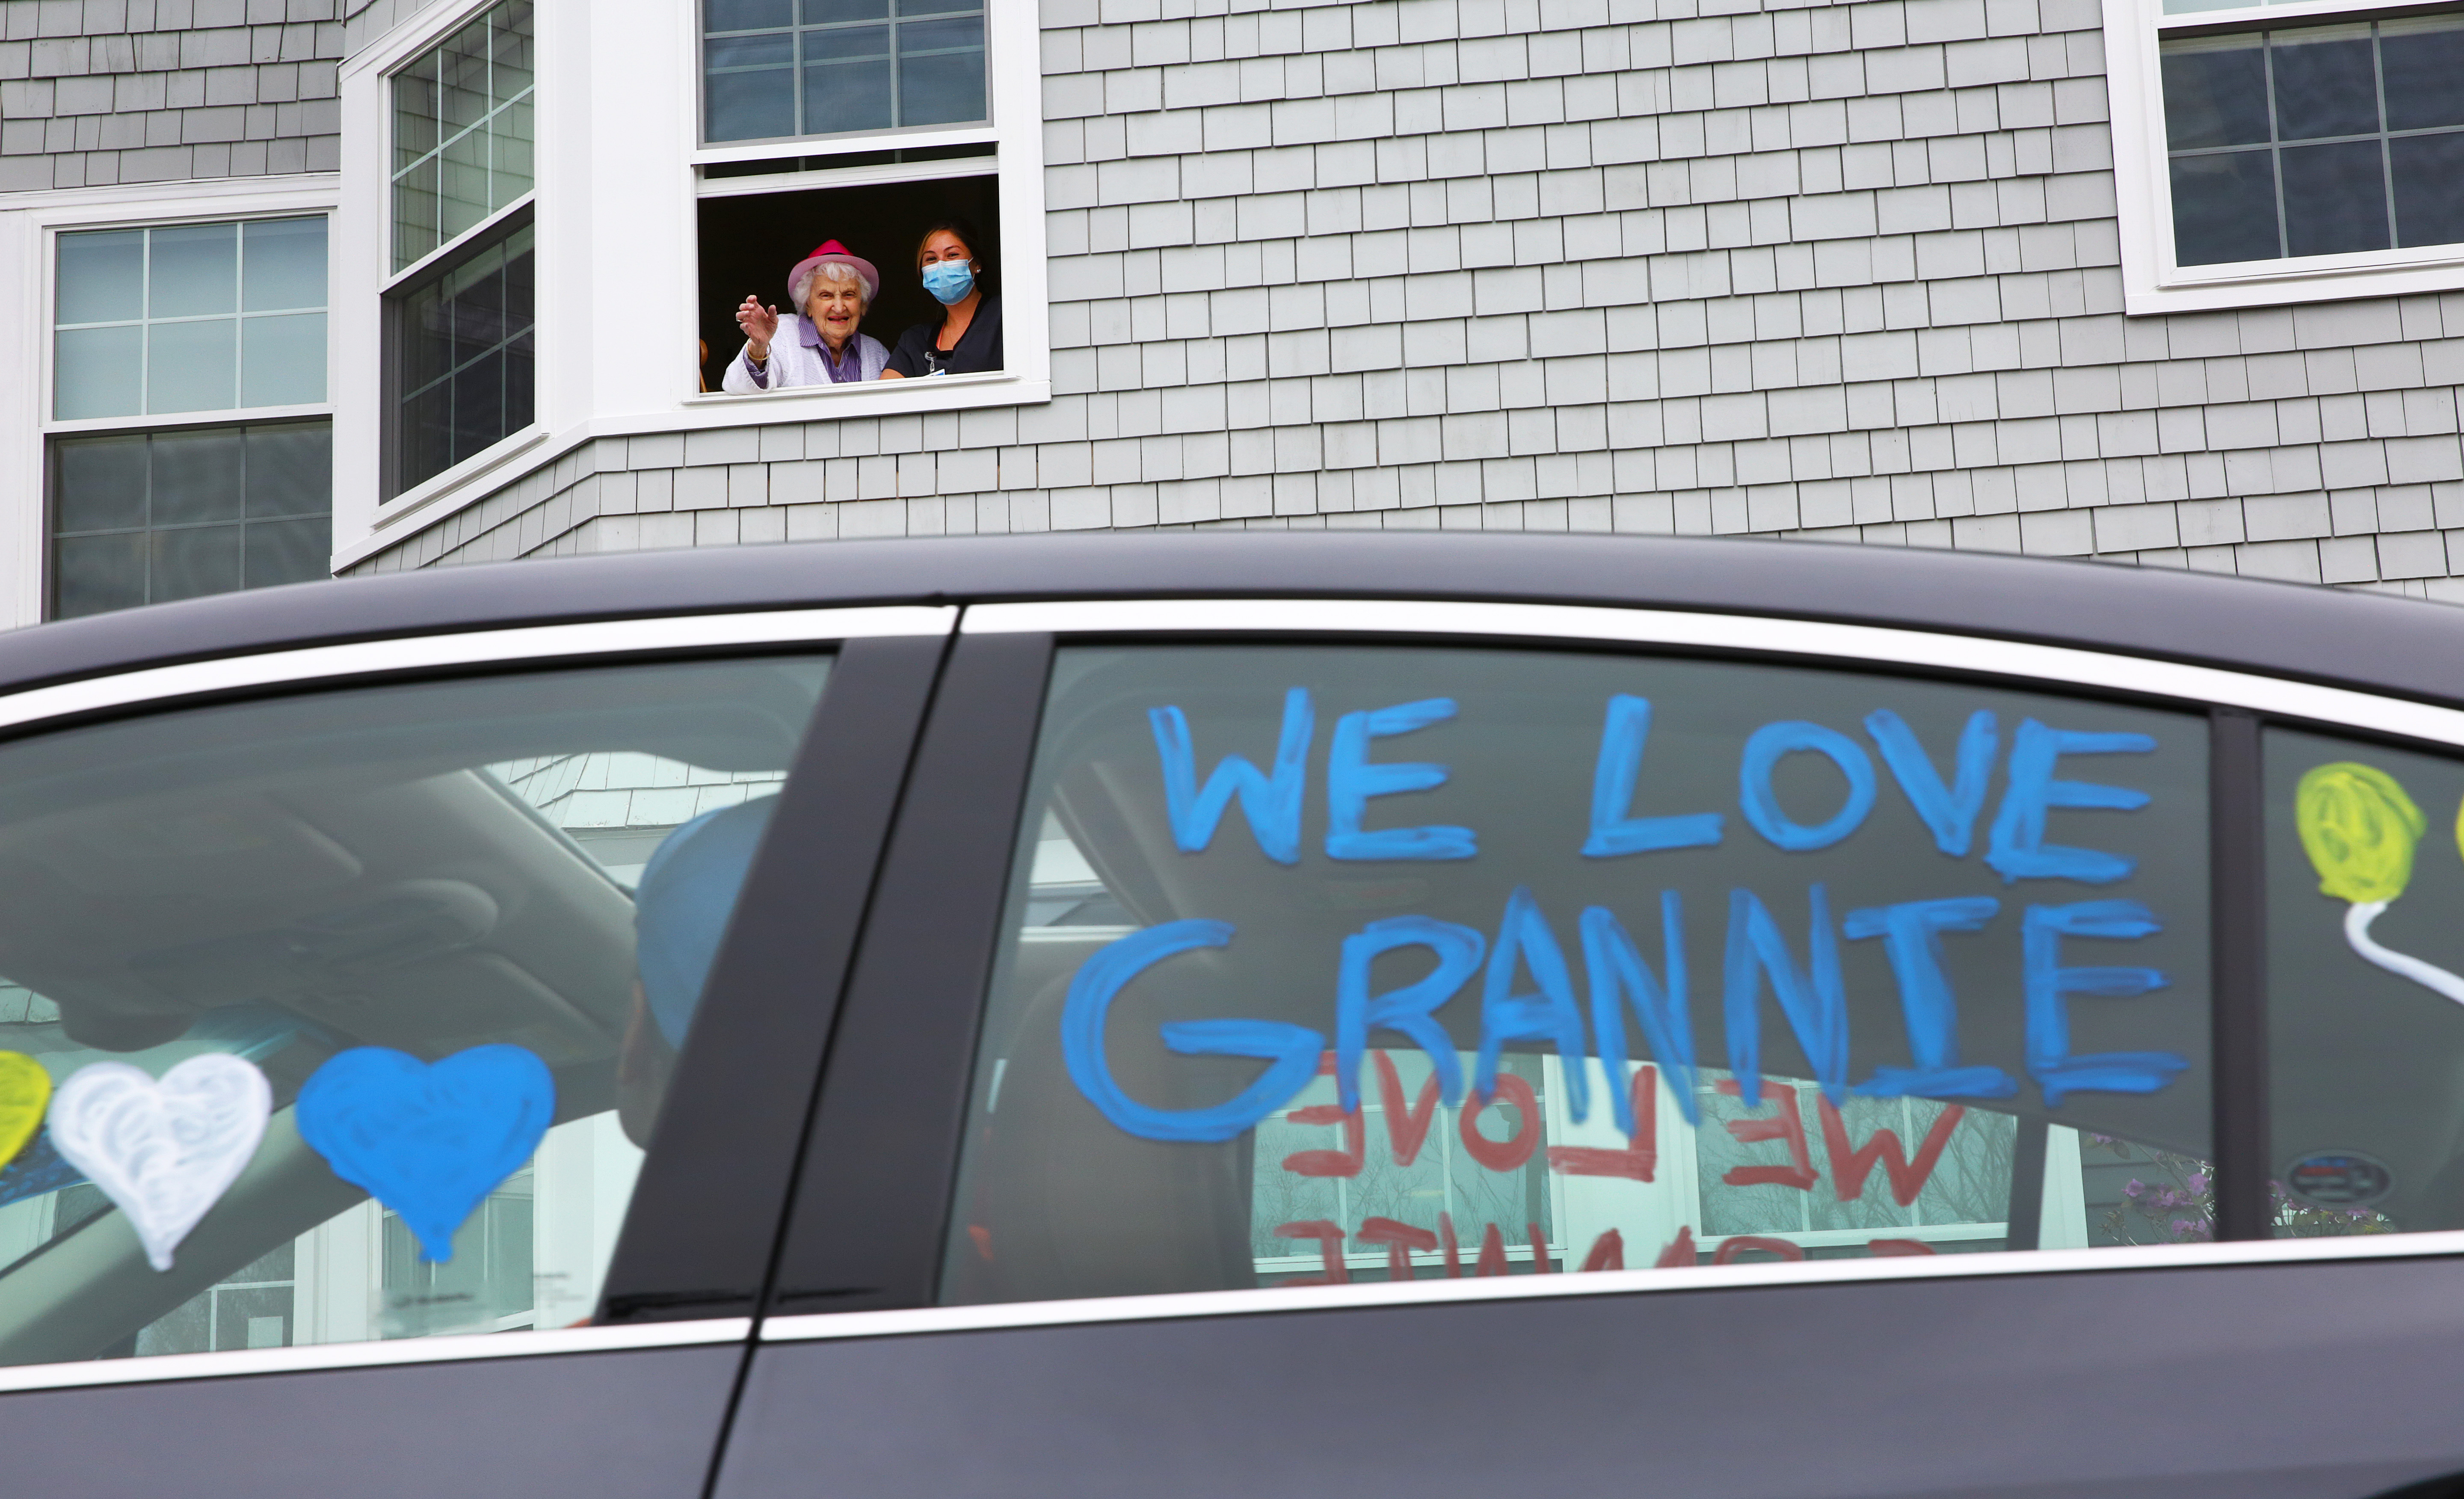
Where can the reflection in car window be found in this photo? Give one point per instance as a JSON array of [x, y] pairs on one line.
[[2365, 1010], [340, 1016], [1332, 964]]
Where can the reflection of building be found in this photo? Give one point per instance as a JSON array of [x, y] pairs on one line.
[[2156, 283]]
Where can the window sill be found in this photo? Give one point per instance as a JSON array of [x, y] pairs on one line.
[[481, 465], [2311, 278], [925, 393]]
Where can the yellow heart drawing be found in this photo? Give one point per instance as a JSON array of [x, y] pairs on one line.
[[24, 1092]]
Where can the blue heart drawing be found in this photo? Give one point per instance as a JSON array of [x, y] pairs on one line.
[[429, 1141]]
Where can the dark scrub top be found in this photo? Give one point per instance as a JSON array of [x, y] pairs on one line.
[[979, 347]]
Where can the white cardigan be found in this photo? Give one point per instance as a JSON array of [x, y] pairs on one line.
[[795, 360]]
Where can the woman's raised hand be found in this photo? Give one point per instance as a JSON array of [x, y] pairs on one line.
[[761, 324]]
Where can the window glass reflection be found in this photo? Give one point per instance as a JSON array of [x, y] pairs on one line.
[[2279, 146], [142, 518], [840, 66], [1332, 964]]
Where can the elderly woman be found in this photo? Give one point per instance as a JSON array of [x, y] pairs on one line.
[[821, 346], [967, 337]]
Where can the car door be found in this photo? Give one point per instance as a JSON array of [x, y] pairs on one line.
[[1381, 1046], [404, 1045]]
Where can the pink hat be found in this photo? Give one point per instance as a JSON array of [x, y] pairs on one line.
[[831, 253]]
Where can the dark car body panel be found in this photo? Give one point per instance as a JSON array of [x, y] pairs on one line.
[[637, 1425], [2082, 1386]]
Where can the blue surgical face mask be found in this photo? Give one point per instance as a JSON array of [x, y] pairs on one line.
[[950, 280]]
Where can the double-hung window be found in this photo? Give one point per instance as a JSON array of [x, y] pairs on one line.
[[868, 125], [460, 307], [190, 445], [2288, 151]]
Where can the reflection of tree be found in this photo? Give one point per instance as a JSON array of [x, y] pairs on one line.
[[1972, 1182], [1280, 1196], [2296, 1219], [2173, 1199]]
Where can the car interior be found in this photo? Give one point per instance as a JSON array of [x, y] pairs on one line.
[[292, 876]]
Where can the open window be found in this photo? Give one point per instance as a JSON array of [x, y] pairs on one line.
[[852, 184]]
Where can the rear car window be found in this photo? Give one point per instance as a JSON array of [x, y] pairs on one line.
[[343, 1015], [1360, 963], [2365, 1008]]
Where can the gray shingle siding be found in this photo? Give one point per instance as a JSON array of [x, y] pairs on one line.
[[98, 92], [1842, 270]]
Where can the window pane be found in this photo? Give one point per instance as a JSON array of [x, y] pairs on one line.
[[823, 13], [1269, 1021], [193, 270], [511, 160], [941, 72], [462, 72], [462, 185], [283, 266], [2325, 82], [102, 276], [2429, 172], [96, 371], [852, 90], [99, 483], [197, 476], [283, 359], [415, 212], [466, 372], [2365, 1034], [190, 366], [2335, 199], [2215, 93], [290, 470], [475, 119], [510, 44], [288, 551], [415, 109], [194, 560], [2421, 64], [94, 573], [2224, 208], [337, 908], [749, 104], [943, 8], [746, 15]]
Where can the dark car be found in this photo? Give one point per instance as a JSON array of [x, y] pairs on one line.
[[1236, 1015]]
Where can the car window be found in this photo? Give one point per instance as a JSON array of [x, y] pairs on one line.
[[343, 1015], [1351, 963], [2366, 1010]]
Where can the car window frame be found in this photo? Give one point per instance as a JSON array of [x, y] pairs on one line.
[[820, 1293], [881, 654]]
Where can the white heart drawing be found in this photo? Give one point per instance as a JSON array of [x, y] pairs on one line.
[[165, 1152]]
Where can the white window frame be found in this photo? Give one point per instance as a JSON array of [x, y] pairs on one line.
[[31, 225], [618, 112], [2143, 181]]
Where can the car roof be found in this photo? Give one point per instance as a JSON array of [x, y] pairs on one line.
[[2405, 646]]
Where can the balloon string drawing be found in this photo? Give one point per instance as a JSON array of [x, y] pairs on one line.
[[2360, 829], [429, 1141]]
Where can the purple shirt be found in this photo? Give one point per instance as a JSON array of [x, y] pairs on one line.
[[846, 367]]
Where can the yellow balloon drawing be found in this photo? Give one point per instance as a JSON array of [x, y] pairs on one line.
[[2359, 829], [25, 1093]]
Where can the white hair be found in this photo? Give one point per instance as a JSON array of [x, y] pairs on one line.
[[831, 271]]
